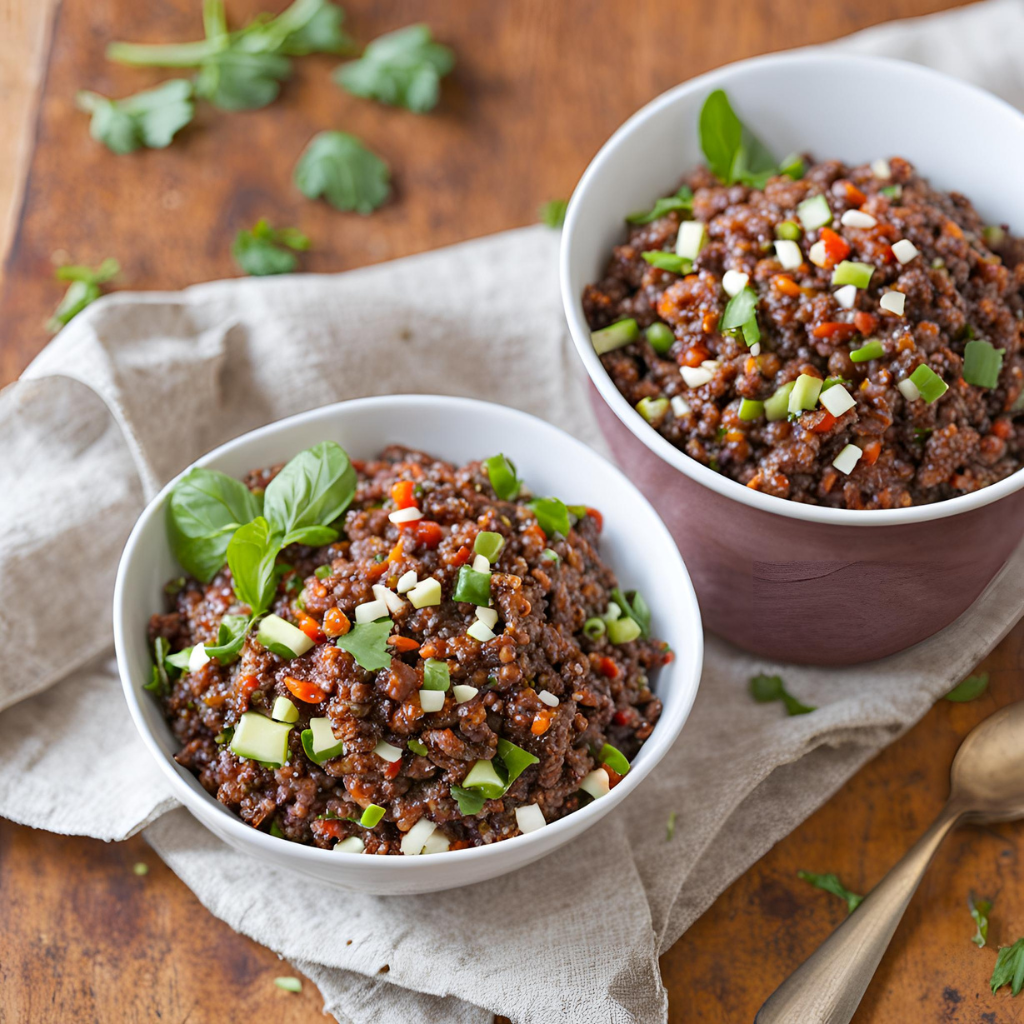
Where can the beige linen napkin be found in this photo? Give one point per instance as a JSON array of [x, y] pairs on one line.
[[141, 384]]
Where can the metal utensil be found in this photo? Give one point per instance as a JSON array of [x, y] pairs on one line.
[[986, 785]]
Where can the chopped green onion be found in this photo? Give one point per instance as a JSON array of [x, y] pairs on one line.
[[614, 336], [436, 675], [140, 868], [289, 984], [633, 604], [552, 515], [814, 213], [804, 394], [372, 814], [929, 383], [788, 231], [502, 474], [417, 748], [669, 261], [857, 274], [751, 409], [488, 544], [654, 410], [660, 337], [831, 382], [993, 235], [982, 363], [614, 758], [793, 166], [515, 759], [621, 631], [379, 557], [869, 350], [472, 587], [682, 200], [612, 612], [670, 827], [594, 628], [550, 556], [777, 407], [892, 191], [484, 777], [322, 572]]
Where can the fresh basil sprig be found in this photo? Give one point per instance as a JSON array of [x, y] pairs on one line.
[[732, 151], [252, 551], [205, 509], [230, 638]]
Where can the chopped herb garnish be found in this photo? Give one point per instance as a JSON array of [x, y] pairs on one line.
[[266, 250], [488, 544], [552, 516], [150, 118], [367, 642], [372, 815], [552, 213], [970, 689], [472, 587], [732, 151], [312, 490], [402, 69], [892, 191], [929, 383], [670, 827], [515, 759], [379, 557], [417, 747], [1009, 969], [435, 675], [793, 166], [982, 363], [765, 689], [547, 555], [668, 261], [230, 638], [321, 572], [869, 350], [788, 230], [594, 628], [682, 200], [83, 290], [339, 168], [830, 883], [502, 474], [614, 758], [660, 337], [614, 336], [289, 984], [633, 605], [849, 272], [251, 554], [980, 909], [159, 682], [470, 801], [741, 314]]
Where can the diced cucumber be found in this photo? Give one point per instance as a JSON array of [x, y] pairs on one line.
[[281, 637], [483, 776], [284, 711], [777, 407], [614, 336], [324, 743], [805, 393], [621, 631], [261, 739]]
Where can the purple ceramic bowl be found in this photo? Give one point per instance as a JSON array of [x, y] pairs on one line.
[[786, 580]]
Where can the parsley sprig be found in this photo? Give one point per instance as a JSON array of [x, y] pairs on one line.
[[830, 883], [337, 167], [149, 119], [765, 689], [265, 250], [84, 288]]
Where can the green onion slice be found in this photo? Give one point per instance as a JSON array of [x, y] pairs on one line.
[[788, 230], [622, 631], [982, 363], [929, 383], [322, 572], [739, 309], [502, 474], [814, 213], [417, 747], [372, 814], [488, 544], [552, 515], [869, 350], [472, 587], [668, 261], [660, 337], [594, 628], [793, 166], [751, 409], [804, 394], [614, 336], [435, 675], [777, 407], [614, 758], [654, 410]]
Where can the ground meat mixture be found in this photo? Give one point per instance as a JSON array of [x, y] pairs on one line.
[[962, 281], [542, 683]]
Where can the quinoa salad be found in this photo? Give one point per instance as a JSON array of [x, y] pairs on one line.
[[840, 335], [397, 656]]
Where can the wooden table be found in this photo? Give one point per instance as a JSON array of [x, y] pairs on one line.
[[538, 87]]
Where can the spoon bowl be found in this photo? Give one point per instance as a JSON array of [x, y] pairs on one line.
[[987, 777]]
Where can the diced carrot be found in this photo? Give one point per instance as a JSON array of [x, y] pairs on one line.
[[396, 551], [393, 768], [734, 435], [836, 247], [336, 622], [534, 531], [243, 691], [608, 668], [865, 322], [871, 452], [427, 532], [695, 355], [954, 229], [825, 424], [709, 323], [785, 284], [835, 331], [541, 723], [309, 626], [1003, 429], [402, 494], [905, 344], [306, 691], [403, 644], [462, 556], [854, 196]]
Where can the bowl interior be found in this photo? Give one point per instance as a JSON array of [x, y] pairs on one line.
[[634, 542], [958, 136]]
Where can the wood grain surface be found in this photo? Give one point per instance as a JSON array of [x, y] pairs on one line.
[[539, 86]]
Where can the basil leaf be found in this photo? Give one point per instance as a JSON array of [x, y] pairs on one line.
[[150, 118], [204, 509], [339, 168], [765, 689], [970, 689], [682, 200], [515, 759], [739, 310], [830, 883], [470, 801], [311, 491], [502, 474], [159, 682], [732, 151], [367, 642], [230, 638], [235, 80], [251, 555], [401, 69], [313, 536], [552, 515]]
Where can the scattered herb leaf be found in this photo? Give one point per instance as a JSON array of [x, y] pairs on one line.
[[970, 689], [339, 168], [732, 151], [289, 984], [83, 290], [367, 642], [830, 883], [251, 554], [670, 828], [470, 801], [633, 605], [265, 250], [502, 473], [552, 515], [552, 212], [682, 200], [980, 909], [765, 689], [150, 118], [1009, 969]]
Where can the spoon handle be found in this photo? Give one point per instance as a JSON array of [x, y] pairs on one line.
[[827, 988]]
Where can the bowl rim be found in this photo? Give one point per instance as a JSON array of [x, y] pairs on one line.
[[544, 840], [651, 439]]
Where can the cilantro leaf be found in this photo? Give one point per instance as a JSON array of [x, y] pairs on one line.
[[980, 909], [236, 80], [970, 689], [470, 801], [83, 290], [150, 118], [732, 151], [682, 200], [367, 642], [321, 32], [830, 883], [339, 168], [1009, 969], [765, 689], [552, 212], [264, 250], [402, 69]]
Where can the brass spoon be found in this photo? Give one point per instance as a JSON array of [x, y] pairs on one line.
[[986, 785]]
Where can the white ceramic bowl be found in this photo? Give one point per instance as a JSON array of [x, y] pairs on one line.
[[959, 137], [634, 542]]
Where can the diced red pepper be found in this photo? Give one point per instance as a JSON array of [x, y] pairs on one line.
[[835, 330], [620, 718], [1003, 429], [309, 626], [403, 644], [377, 569], [402, 494], [836, 247], [243, 691], [825, 424], [462, 556], [854, 196], [426, 531], [695, 355], [614, 778], [865, 322], [785, 284], [393, 768], [597, 517], [608, 668], [307, 692]]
